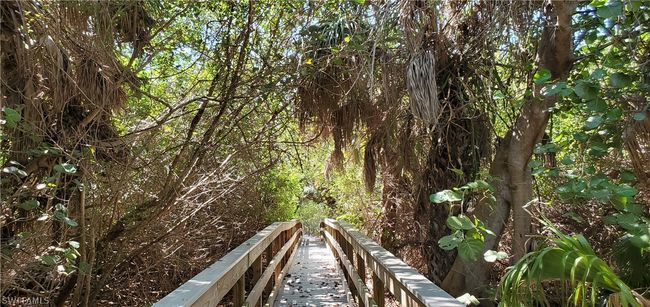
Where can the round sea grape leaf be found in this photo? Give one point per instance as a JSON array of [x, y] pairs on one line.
[[446, 196], [470, 249], [460, 222]]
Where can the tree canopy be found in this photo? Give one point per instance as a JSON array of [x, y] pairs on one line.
[[502, 148]]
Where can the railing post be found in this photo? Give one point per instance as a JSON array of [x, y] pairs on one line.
[[283, 241], [277, 269], [239, 291], [361, 269], [378, 290], [269, 257], [257, 273]]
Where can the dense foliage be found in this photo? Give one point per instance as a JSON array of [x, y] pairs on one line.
[[500, 147]]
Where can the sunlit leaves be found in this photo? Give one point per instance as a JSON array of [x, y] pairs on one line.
[[14, 170], [451, 241], [492, 256], [446, 196], [558, 88], [586, 90], [542, 76], [468, 299], [593, 122], [65, 168], [460, 222], [614, 9], [470, 249], [598, 3]]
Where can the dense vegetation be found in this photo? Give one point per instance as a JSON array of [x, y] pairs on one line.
[[502, 148]]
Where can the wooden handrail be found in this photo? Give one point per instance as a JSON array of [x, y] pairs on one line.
[[408, 286], [272, 248]]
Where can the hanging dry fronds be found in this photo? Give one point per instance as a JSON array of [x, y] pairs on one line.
[[370, 165], [422, 88], [412, 18]]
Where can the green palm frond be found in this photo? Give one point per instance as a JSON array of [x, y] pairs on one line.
[[567, 259]]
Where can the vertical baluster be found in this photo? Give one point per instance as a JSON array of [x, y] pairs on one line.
[[239, 291], [257, 273], [269, 257], [378, 290], [361, 269]]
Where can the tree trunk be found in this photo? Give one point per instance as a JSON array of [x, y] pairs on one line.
[[510, 166]]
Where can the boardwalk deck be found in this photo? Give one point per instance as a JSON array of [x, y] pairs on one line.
[[314, 278], [285, 272]]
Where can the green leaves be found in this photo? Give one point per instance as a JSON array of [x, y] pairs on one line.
[[451, 241], [446, 196], [544, 148], [567, 258], [14, 170], [492, 256], [639, 116], [586, 90], [65, 168], [620, 80], [467, 236], [48, 260], [61, 214], [614, 9], [460, 222], [12, 117], [470, 249], [598, 3], [468, 299], [640, 237], [625, 190], [593, 122], [30, 204], [560, 88], [542, 76]]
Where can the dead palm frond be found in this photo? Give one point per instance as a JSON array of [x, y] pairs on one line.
[[422, 88]]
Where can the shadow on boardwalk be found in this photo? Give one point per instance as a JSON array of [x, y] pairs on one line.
[[314, 278]]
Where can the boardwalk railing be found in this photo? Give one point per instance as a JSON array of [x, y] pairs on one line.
[[356, 253], [266, 257]]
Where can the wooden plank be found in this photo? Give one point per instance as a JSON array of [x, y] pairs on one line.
[[361, 290], [256, 293], [209, 286], [392, 271], [279, 277]]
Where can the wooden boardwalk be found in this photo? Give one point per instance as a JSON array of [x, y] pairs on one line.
[[314, 278], [273, 268]]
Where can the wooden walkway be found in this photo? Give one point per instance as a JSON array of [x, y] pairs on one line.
[[314, 278], [280, 267]]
